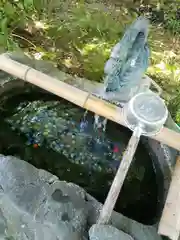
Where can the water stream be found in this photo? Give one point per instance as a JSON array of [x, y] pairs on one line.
[[57, 136]]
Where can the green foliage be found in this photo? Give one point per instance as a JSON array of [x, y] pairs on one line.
[[165, 12], [13, 14], [174, 106], [84, 38], [173, 25], [172, 16]]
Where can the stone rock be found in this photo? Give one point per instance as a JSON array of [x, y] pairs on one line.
[[34, 204], [137, 230], [106, 232]]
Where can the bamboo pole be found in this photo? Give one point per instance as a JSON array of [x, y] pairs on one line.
[[170, 221], [78, 97]]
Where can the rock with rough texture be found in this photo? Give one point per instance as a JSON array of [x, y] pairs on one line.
[[128, 62], [106, 232], [35, 205]]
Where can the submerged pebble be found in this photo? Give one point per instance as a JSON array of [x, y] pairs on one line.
[[46, 123]]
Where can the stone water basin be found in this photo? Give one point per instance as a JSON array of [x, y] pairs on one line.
[[44, 130]]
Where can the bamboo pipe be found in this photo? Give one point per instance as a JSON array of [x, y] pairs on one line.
[[170, 221], [78, 97]]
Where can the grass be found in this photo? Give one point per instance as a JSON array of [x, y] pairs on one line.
[[77, 37]]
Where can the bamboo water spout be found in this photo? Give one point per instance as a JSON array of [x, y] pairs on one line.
[[79, 97]]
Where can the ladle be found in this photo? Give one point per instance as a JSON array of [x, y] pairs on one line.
[[145, 114]]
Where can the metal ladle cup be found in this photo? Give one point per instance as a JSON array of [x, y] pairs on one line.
[[146, 111], [145, 114]]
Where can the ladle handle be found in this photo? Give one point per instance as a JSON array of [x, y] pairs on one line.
[[118, 181], [170, 221]]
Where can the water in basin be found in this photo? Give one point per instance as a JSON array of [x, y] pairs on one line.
[[53, 134]]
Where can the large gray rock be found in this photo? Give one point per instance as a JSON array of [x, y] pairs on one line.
[[35, 205], [106, 232]]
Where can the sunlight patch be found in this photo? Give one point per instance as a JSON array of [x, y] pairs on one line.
[[91, 47], [40, 25]]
